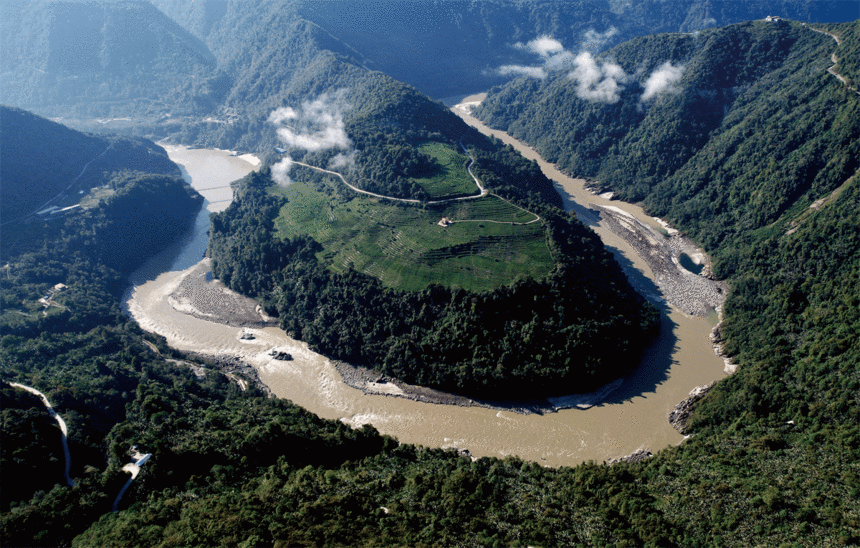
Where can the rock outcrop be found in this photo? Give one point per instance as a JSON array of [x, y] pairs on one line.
[[718, 341], [637, 456], [680, 415]]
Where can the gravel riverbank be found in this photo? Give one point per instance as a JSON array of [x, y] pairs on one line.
[[232, 366], [374, 383], [201, 295], [696, 294]]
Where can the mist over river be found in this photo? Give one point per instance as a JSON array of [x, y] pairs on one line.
[[632, 417]]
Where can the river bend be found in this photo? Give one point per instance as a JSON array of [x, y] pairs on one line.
[[632, 417]]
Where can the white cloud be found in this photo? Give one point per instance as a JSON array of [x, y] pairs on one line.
[[594, 41], [534, 72], [662, 80], [281, 171], [316, 125], [597, 81], [342, 160], [554, 57], [544, 46]]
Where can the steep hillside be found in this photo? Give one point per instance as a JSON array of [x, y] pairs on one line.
[[418, 270], [46, 163], [746, 127], [449, 47], [66, 187], [97, 59], [126, 66]]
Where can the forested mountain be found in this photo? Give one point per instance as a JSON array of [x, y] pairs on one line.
[[45, 159], [748, 127], [64, 191], [122, 65], [774, 458], [574, 330], [572, 327], [97, 60]]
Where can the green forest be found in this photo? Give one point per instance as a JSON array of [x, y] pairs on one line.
[[233, 467], [763, 174], [756, 132], [208, 72], [567, 332]]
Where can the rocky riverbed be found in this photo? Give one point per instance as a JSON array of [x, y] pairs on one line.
[[232, 366], [637, 456], [374, 383], [201, 295], [717, 340], [696, 294]]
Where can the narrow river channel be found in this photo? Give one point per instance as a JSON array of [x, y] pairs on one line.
[[632, 417]]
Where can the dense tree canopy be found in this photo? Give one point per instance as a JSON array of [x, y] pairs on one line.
[[754, 128], [775, 458], [567, 333]]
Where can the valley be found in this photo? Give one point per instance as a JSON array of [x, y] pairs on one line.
[[612, 426], [391, 325]]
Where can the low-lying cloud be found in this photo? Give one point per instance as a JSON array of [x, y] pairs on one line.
[[520, 70], [315, 126], [553, 57], [543, 46], [662, 80], [597, 81], [594, 41]]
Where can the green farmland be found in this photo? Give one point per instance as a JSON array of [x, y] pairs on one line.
[[405, 247], [451, 177]]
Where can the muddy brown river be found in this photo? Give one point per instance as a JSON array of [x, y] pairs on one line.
[[632, 417]]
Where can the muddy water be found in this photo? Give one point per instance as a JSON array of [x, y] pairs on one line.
[[633, 417]]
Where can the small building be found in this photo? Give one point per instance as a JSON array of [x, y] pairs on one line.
[[773, 19], [445, 221]]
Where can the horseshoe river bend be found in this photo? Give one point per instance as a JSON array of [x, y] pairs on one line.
[[631, 417]]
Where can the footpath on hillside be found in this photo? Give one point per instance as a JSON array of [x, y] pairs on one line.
[[832, 70]]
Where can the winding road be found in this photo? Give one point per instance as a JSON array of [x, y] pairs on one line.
[[832, 70], [69, 481], [132, 468], [75, 180], [483, 192]]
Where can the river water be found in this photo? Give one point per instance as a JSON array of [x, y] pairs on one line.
[[632, 417]]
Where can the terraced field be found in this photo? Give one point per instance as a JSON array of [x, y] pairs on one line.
[[452, 178], [404, 245]]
